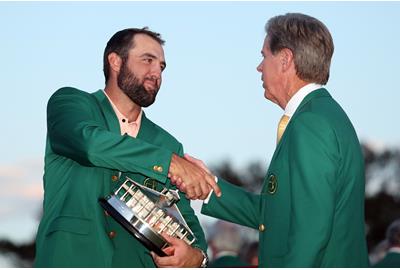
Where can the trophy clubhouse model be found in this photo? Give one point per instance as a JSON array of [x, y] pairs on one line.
[[146, 213]]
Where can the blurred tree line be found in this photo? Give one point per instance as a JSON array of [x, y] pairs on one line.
[[382, 202]]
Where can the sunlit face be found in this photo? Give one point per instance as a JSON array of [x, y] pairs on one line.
[[270, 73], [140, 75]]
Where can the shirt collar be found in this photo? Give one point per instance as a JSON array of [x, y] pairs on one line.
[[120, 116], [394, 249], [298, 97]]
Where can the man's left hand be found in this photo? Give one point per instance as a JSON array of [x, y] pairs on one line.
[[179, 254]]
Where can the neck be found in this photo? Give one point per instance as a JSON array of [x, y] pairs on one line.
[[124, 104], [293, 86]]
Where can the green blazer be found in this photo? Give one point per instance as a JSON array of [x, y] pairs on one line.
[[86, 159], [391, 260], [310, 212]]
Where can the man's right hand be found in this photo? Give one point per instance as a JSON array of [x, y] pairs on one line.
[[191, 179]]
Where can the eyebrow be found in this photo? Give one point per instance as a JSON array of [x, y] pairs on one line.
[[154, 57]]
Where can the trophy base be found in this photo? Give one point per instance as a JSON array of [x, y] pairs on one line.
[[140, 230]]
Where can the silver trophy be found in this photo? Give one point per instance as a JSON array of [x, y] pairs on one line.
[[146, 213]]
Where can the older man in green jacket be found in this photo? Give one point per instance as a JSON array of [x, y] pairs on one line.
[[310, 212], [94, 142]]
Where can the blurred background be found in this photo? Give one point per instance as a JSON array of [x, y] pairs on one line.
[[211, 98]]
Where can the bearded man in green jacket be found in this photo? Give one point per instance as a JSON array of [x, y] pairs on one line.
[[310, 212], [94, 142]]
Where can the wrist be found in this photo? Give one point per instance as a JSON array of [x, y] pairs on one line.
[[204, 258]]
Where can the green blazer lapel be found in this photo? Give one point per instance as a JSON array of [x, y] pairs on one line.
[[146, 131], [321, 92], [108, 111]]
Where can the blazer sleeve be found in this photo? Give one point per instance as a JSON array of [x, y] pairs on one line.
[[235, 205], [76, 132], [313, 162]]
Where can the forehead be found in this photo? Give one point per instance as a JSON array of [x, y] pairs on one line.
[[146, 44], [266, 44]]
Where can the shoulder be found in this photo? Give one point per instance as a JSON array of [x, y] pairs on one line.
[[313, 132], [326, 107], [71, 92], [67, 90], [322, 114], [72, 95], [312, 121]]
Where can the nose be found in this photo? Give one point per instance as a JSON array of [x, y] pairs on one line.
[[156, 72], [259, 67]]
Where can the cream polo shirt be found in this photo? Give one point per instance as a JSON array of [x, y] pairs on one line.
[[130, 128]]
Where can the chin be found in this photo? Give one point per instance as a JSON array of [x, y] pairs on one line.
[[266, 95]]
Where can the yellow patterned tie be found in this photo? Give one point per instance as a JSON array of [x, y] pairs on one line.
[[281, 127]]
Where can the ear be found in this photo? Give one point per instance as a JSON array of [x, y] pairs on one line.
[[286, 58], [115, 61]]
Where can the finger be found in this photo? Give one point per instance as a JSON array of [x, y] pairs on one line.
[[165, 261], [175, 180], [178, 181], [190, 194], [182, 187], [169, 251], [153, 254], [196, 193], [205, 189], [174, 242], [155, 258], [211, 181], [199, 191]]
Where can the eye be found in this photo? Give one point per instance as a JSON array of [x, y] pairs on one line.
[[162, 67], [148, 60]]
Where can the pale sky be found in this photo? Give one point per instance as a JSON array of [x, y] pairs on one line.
[[211, 98]]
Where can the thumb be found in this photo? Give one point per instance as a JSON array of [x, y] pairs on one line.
[[188, 157], [196, 161], [169, 251], [173, 241]]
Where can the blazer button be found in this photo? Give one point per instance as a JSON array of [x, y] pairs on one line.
[[157, 168], [112, 234], [261, 227], [114, 178]]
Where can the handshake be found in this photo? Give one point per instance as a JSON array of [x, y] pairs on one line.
[[192, 177]]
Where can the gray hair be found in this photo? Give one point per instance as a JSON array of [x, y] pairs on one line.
[[308, 39], [393, 233], [225, 236]]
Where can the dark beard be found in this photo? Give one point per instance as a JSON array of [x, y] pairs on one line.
[[135, 90]]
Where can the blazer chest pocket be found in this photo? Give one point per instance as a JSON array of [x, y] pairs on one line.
[[76, 225]]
